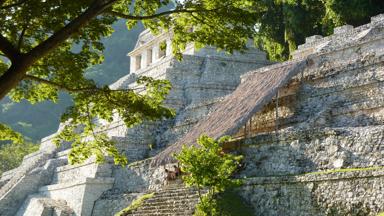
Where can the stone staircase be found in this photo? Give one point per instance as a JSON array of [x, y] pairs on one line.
[[62, 194], [36, 205], [174, 199]]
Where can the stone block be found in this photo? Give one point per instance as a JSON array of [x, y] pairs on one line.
[[342, 29], [313, 38], [80, 195], [377, 18]]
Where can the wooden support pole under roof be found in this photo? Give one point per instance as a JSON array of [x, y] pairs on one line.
[[245, 130], [277, 116], [250, 125]]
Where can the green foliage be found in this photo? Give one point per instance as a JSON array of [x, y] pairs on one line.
[[208, 166], [286, 23], [135, 204], [12, 154], [224, 24], [207, 206], [353, 12], [116, 63], [7, 134], [45, 116], [35, 27], [51, 45], [227, 203], [85, 134]]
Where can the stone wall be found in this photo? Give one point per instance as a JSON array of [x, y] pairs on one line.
[[130, 182], [27, 180], [327, 122], [198, 82], [110, 204], [330, 116], [347, 192]]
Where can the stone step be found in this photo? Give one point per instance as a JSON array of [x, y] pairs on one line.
[[27, 181], [162, 214], [176, 193], [162, 205], [179, 193], [187, 213], [179, 188], [73, 192], [175, 200], [164, 199], [160, 202], [87, 170], [167, 209], [37, 205], [183, 211], [63, 154]]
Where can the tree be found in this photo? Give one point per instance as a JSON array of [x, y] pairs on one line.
[[39, 120], [47, 45], [11, 155], [207, 166], [286, 23]]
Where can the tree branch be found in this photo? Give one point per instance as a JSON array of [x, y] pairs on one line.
[[20, 42], [68, 89], [131, 17], [2, 2], [8, 48], [96, 8], [58, 85], [22, 62], [13, 5]]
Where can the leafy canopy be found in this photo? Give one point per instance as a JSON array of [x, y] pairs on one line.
[[47, 45], [6, 133], [286, 23]]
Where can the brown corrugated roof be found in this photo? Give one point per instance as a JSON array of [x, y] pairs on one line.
[[257, 89]]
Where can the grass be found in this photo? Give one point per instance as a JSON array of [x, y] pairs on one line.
[[345, 170], [135, 204], [381, 214]]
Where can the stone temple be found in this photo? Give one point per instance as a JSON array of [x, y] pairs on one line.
[[311, 131]]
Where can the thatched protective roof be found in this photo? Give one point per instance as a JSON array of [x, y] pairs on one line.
[[257, 89]]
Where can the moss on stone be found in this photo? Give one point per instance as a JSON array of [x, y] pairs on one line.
[[345, 170], [135, 204]]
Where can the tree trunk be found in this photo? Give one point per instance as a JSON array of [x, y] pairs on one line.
[[12, 77], [21, 62]]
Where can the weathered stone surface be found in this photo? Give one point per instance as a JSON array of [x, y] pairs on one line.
[[173, 199], [328, 120], [109, 204], [73, 193], [36, 205], [35, 172], [336, 193]]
